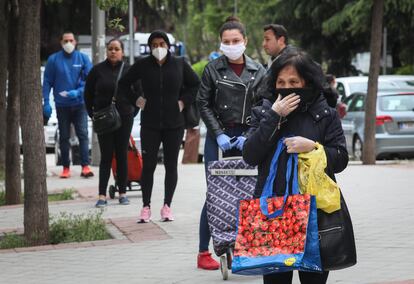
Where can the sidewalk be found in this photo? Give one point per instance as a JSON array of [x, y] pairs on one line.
[[380, 200]]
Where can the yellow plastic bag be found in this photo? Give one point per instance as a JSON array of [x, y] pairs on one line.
[[313, 180]]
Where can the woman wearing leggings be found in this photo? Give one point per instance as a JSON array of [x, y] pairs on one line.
[[169, 85], [99, 90]]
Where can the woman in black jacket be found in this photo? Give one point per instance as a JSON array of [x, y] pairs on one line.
[[301, 112], [227, 92], [169, 84], [99, 90]]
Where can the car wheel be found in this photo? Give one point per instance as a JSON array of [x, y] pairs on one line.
[[357, 148]]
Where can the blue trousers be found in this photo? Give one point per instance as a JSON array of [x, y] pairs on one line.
[[211, 154], [78, 117]]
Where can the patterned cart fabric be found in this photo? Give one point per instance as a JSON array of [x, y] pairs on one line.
[[228, 182]]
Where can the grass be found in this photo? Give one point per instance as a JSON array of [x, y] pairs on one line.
[[69, 228], [2, 197], [67, 194], [65, 228], [12, 240]]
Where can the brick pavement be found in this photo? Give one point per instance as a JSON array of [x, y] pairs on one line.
[[379, 199]]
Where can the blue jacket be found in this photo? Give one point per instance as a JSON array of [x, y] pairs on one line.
[[66, 72]]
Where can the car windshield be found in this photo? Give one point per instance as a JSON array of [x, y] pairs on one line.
[[363, 86], [397, 102]]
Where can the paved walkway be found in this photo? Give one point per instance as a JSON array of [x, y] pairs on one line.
[[380, 199]]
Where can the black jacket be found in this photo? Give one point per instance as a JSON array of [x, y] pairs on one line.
[[225, 98], [163, 86], [320, 123], [99, 89]]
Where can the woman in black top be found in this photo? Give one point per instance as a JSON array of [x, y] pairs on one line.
[[301, 109], [99, 90], [169, 84]]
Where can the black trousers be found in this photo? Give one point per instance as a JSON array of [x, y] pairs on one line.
[[115, 142], [305, 278], [151, 140]]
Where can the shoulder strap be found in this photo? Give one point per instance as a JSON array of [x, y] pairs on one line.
[[117, 80]]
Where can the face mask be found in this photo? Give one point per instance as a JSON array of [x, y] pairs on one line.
[[68, 47], [233, 52], [307, 96], [159, 53]]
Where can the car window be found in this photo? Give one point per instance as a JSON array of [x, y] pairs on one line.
[[341, 89], [397, 103], [358, 104], [348, 99]]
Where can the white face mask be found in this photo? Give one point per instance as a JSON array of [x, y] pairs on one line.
[[159, 53], [68, 47], [233, 52]]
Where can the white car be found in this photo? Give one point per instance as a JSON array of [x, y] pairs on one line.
[[349, 85], [74, 154]]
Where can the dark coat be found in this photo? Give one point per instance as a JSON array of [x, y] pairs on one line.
[[225, 98], [100, 86], [163, 86], [319, 123]]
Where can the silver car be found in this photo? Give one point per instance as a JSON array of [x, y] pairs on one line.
[[394, 124]]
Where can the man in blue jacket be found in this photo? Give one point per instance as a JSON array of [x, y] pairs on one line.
[[65, 73]]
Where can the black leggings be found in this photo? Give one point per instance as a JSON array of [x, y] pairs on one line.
[[115, 142], [150, 140], [305, 278]]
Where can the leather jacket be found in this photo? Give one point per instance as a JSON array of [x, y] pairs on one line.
[[225, 99]]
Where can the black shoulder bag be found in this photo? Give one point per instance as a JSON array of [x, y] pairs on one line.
[[108, 119], [336, 237]]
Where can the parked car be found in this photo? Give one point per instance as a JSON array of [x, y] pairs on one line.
[[74, 142], [349, 85], [394, 124]]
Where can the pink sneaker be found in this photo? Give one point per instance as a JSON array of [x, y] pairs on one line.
[[166, 214], [145, 215]]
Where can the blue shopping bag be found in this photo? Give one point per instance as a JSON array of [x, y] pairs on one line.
[[277, 234]]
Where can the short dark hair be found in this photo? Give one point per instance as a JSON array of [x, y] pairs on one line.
[[67, 32], [308, 69], [159, 34], [278, 31], [115, 39], [233, 23]]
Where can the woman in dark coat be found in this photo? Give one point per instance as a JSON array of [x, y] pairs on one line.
[[99, 90], [169, 84], [301, 112]]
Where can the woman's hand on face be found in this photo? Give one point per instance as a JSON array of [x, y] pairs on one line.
[[141, 103], [284, 106], [299, 144], [181, 105]]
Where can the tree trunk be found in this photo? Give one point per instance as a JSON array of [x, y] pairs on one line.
[[13, 177], [4, 11], [368, 151], [36, 213]]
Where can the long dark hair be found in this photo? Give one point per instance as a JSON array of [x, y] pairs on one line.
[[308, 70]]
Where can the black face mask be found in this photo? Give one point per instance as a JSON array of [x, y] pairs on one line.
[[307, 96]]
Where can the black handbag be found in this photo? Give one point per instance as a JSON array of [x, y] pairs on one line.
[[108, 119], [336, 238], [191, 115]]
